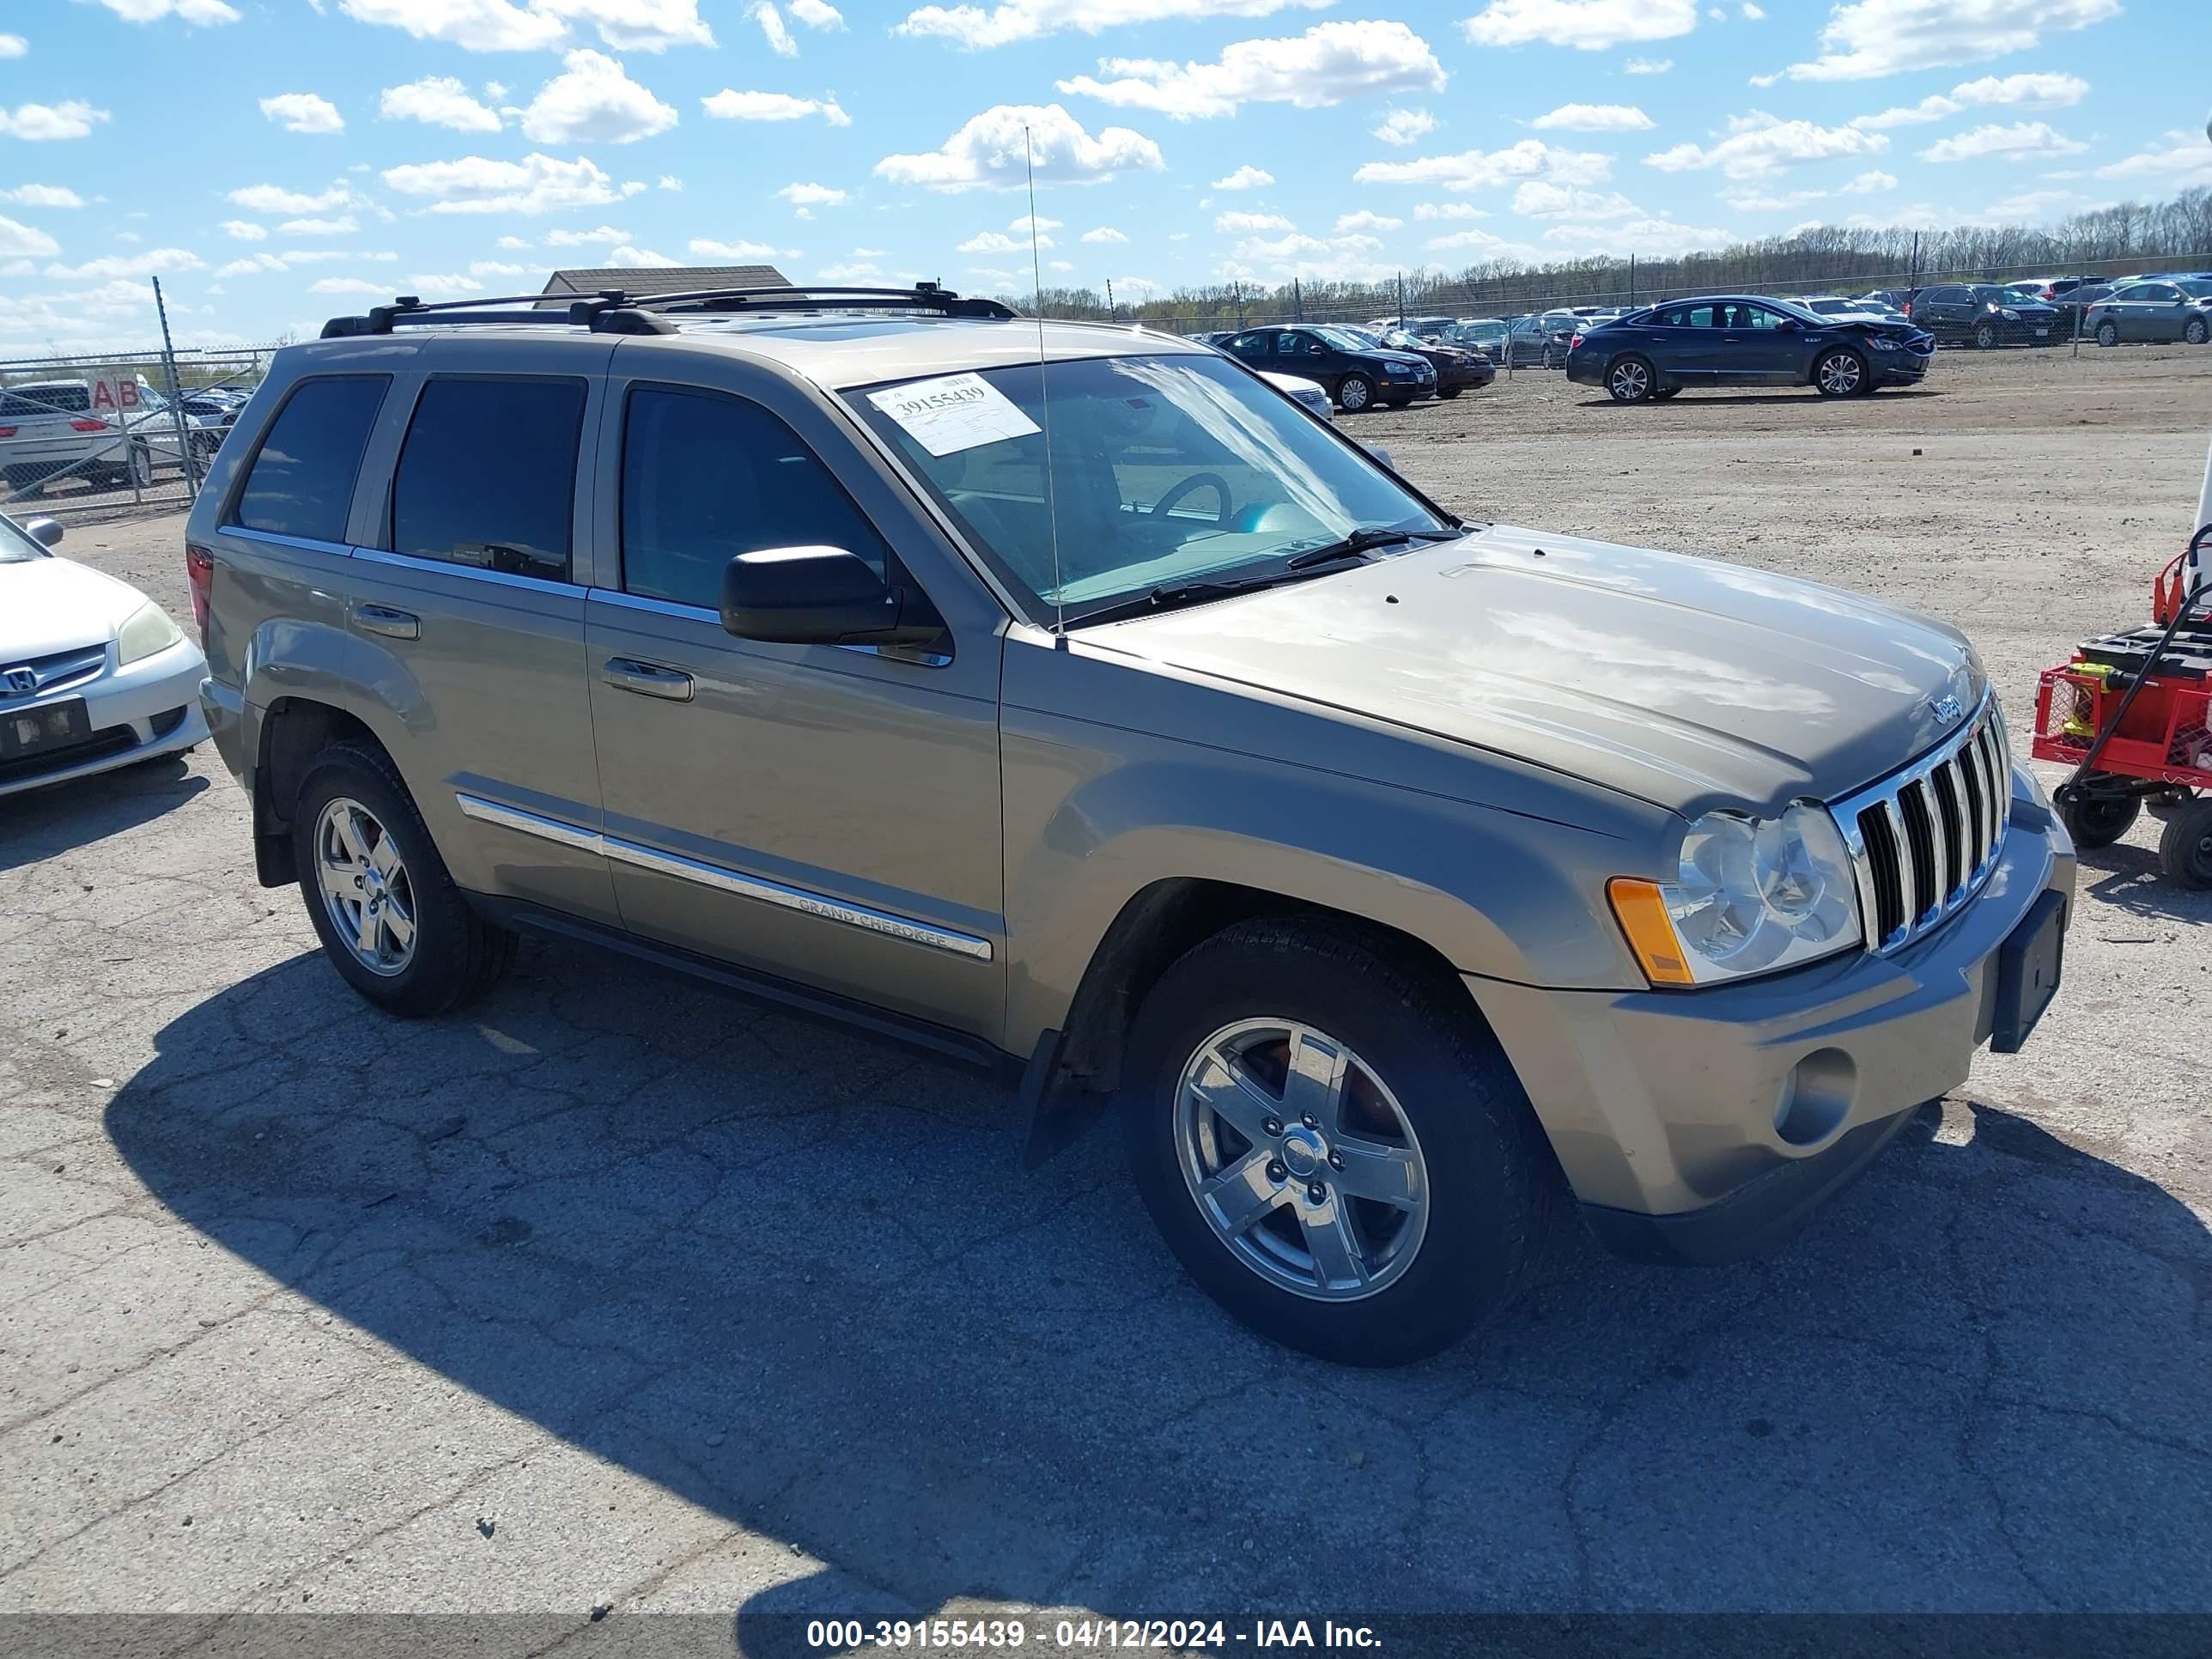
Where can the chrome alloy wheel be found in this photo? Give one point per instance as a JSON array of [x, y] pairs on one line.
[[365, 886], [1630, 381], [1840, 373], [1301, 1160]]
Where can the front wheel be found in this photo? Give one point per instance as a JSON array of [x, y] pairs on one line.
[[1332, 1144], [1355, 393], [2108, 334], [2100, 820], [1667, 391], [1840, 375], [2184, 850], [1631, 380], [391, 919], [2195, 330]]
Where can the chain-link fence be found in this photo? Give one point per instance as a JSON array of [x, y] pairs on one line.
[[118, 431]]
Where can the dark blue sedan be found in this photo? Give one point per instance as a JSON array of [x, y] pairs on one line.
[[1747, 340]]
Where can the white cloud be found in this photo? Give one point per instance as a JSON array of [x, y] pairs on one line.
[[251, 264], [495, 268], [594, 100], [344, 225], [1477, 169], [1768, 201], [153, 263], [987, 152], [1339, 259], [641, 259], [2023, 138], [538, 24], [1589, 25], [1867, 39], [1103, 233], [1247, 177], [810, 196], [1595, 117], [817, 14], [1750, 13], [514, 242], [475, 184], [2014, 91], [641, 25], [13, 45], [773, 29], [972, 26], [669, 181], [1246, 223], [347, 285], [303, 111], [274, 199], [860, 271], [1023, 222], [1461, 240], [42, 122], [1326, 65], [1647, 66], [17, 240], [438, 100], [1404, 126], [1364, 219], [42, 196], [190, 11], [1759, 145], [737, 253], [730, 106], [1538, 199], [448, 282], [1869, 182], [598, 235], [990, 241], [2029, 206], [1661, 237], [2177, 162]]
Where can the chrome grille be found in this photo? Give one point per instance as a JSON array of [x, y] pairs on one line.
[[40, 677], [1923, 840]]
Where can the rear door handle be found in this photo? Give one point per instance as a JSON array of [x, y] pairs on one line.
[[393, 624], [650, 680]]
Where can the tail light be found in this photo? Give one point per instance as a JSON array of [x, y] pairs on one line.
[[199, 567], [1572, 343], [6, 431], [88, 426]]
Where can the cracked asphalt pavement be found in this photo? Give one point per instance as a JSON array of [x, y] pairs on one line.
[[617, 1293]]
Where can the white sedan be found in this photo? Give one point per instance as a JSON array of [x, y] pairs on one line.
[[94, 675], [1312, 393]]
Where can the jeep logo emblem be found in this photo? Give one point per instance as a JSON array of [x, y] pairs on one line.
[[1946, 710]]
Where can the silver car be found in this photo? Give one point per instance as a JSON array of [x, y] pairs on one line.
[[2159, 309], [1405, 884]]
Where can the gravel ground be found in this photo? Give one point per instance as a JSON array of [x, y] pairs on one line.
[[616, 1293]]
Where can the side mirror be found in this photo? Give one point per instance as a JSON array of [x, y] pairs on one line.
[[47, 533], [1789, 324], [1383, 455], [820, 596]]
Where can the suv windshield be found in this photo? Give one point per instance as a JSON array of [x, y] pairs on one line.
[[1163, 469]]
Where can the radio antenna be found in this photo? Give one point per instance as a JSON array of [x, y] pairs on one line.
[[1044, 398]]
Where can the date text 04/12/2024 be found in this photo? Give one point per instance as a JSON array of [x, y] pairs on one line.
[[1173, 1636]]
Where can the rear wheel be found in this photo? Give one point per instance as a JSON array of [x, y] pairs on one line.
[[2194, 331], [390, 917], [1985, 337], [1332, 1146], [2108, 334], [1449, 391], [2185, 849], [2100, 820], [1631, 380], [1355, 393], [1840, 375]]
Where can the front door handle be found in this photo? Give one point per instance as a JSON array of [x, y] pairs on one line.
[[650, 679], [393, 624]]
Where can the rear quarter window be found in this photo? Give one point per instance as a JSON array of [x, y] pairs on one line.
[[302, 480]]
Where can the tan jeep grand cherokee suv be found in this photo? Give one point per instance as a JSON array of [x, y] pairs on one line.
[[1109, 720]]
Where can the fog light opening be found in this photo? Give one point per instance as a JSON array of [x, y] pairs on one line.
[[1816, 1098]]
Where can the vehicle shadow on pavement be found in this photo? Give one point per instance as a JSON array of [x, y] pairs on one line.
[[44, 824], [2132, 879], [792, 1276]]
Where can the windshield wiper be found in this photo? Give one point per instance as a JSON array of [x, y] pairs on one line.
[[1365, 541]]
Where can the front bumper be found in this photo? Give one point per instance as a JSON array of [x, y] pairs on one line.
[[1663, 1107], [149, 710]]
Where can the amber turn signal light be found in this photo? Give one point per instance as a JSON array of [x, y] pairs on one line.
[[1641, 910]]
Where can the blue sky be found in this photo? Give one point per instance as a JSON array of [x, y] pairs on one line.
[[276, 162]]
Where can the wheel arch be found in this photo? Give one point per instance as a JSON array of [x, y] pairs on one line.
[[293, 731]]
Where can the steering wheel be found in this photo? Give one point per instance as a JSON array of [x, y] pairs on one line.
[[1177, 491]]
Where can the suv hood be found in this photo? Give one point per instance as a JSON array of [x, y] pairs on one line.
[[1689, 682]]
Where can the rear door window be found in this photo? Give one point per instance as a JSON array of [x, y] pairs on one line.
[[487, 475], [708, 477], [301, 481]]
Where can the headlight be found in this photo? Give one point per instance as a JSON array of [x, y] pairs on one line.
[[1748, 896], [148, 630], [2008, 313], [1882, 343]]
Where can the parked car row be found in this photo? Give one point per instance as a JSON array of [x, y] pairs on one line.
[[2161, 308]]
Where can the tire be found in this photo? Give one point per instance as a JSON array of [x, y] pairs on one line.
[[2100, 820], [137, 470], [2108, 333], [1630, 379], [1667, 391], [1985, 337], [1448, 392], [1355, 393], [1465, 1139], [451, 956], [2184, 850], [2193, 331], [1841, 374], [1398, 402]]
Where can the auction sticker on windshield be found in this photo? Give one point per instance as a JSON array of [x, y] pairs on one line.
[[954, 412]]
